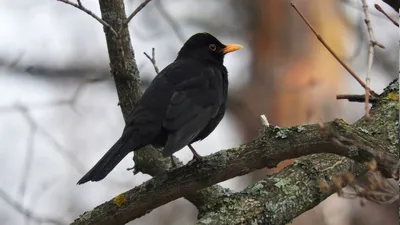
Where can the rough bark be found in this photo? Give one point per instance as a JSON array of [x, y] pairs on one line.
[[122, 58], [279, 198]]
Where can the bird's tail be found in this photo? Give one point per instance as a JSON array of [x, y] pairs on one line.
[[108, 162]]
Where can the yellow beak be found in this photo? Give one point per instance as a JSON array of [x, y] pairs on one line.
[[231, 48]]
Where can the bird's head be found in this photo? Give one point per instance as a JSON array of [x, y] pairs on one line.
[[204, 46]]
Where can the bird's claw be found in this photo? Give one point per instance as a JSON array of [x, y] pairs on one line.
[[196, 155]]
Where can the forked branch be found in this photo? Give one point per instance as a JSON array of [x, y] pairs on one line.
[[90, 13]]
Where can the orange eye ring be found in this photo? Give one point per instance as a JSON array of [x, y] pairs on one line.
[[213, 47]]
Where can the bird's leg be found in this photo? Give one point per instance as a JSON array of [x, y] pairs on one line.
[[173, 162], [195, 154]]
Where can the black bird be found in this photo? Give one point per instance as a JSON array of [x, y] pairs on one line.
[[183, 104]]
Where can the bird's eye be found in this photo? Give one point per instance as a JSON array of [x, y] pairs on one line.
[[213, 47]]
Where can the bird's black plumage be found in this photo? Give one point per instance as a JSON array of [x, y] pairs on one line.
[[184, 103]]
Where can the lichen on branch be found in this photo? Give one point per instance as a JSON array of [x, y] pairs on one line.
[[273, 145]]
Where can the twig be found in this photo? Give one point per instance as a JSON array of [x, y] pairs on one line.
[[90, 13], [28, 160], [372, 43], [140, 7], [356, 98], [378, 189], [26, 212], [379, 8], [72, 158], [354, 75], [264, 120], [153, 59]]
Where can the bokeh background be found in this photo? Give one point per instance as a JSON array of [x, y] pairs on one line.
[[58, 104]]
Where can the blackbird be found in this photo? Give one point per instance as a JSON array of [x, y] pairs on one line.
[[183, 104]]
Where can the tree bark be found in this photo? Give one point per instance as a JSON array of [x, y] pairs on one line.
[[122, 58]]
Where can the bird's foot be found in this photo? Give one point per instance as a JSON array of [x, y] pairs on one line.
[[196, 155]]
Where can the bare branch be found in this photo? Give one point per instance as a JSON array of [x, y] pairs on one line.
[[90, 13], [356, 98], [26, 212], [372, 43], [71, 157], [136, 11], [28, 159], [152, 59], [379, 8], [264, 120], [319, 37]]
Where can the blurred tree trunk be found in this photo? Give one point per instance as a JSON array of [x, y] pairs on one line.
[[304, 89]]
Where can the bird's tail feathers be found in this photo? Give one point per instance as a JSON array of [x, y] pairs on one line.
[[108, 162]]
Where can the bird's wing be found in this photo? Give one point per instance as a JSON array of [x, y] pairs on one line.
[[193, 104]]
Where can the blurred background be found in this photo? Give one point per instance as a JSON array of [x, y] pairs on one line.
[[58, 104]]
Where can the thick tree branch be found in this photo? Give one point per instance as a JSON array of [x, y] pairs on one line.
[[90, 13], [278, 198], [122, 58], [267, 150], [281, 197]]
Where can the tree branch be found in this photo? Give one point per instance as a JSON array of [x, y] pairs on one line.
[[356, 98], [281, 197], [278, 198], [122, 58], [90, 13], [153, 59], [267, 150], [379, 8], [136, 11], [319, 37], [372, 43]]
